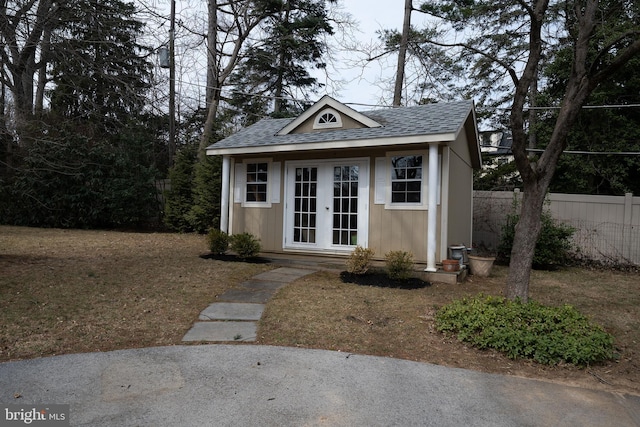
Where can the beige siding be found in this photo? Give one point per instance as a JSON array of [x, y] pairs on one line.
[[266, 223], [460, 196], [263, 222], [389, 229]]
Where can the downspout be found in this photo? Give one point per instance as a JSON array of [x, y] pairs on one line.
[[224, 202], [433, 208]]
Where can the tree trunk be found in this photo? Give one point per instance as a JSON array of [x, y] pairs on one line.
[[42, 72], [213, 80], [524, 243], [212, 65], [402, 53]]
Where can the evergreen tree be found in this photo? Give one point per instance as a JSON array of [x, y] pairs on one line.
[[602, 130], [179, 198], [90, 163], [100, 72], [279, 65]]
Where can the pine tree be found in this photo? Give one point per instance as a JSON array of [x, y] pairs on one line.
[[279, 65]]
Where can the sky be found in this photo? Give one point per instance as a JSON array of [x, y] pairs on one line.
[[364, 87], [361, 85]]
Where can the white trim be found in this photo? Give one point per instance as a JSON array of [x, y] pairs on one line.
[[275, 175], [334, 145], [381, 182], [224, 199], [327, 101], [327, 125], [324, 197], [424, 186], [243, 189], [232, 180], [240, 176], [432, 214]]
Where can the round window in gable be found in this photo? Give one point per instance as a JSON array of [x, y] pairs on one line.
[[326, 119]]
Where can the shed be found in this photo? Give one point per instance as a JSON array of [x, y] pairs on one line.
[[334, 178]]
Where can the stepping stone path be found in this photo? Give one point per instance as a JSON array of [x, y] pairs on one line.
[[235, 315]]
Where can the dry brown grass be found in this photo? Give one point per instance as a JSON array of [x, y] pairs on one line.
[[320, 311], [69, 291]]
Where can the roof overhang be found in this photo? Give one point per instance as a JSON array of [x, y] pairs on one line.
[[444, 138]]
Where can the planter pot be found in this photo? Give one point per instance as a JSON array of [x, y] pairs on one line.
[[450, 265], [480, 266]]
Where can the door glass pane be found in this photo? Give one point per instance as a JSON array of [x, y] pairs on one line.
[[345, 218], [305, 205]]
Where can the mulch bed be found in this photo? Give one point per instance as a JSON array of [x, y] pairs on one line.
[[381, 280]]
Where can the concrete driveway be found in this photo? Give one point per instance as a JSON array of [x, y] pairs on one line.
[[246, 385]]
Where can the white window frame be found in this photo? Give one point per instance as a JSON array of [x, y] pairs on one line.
[[273, 183], [317, 124], [424, 187]]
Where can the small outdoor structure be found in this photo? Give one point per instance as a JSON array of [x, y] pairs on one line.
[[333, 178]]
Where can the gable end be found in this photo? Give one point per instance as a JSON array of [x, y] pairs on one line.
[[328, 104]]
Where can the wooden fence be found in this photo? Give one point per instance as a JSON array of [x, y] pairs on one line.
[[607, 227]]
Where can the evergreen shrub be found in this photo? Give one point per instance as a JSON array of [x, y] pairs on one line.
[[548, 335], [553, 246], [245, 245], [218, 241], [399, 264]]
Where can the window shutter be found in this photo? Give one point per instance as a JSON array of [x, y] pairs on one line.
[[238, 186], [380, 191], [274, 182]]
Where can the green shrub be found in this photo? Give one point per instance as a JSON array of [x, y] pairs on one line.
[[530, 330], [552, 247], [399, 264], [246, 245], [206, 190], [360, 260], [179, 198], [218, 241]]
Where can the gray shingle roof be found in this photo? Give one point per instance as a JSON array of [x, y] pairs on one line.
[[430, 119]]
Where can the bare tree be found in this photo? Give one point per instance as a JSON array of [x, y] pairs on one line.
[[25, 29], [402, 53], [235, 21]]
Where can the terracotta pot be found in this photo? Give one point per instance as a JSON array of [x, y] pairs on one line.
[[450, 265]]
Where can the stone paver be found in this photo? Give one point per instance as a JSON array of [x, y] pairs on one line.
[[283, 274], [262, 285], [222, 331], [246, 296], [232, 311], [234, 316]]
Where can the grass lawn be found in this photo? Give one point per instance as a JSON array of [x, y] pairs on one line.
[[68, 291]]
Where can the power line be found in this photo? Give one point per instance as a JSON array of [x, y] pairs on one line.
[[598, 153], [541, 150], [589, 107]]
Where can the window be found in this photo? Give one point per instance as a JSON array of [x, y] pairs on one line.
[[326, 119], [406, 179], [257, 180]]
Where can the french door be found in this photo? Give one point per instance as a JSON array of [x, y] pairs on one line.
[[327, 204]]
